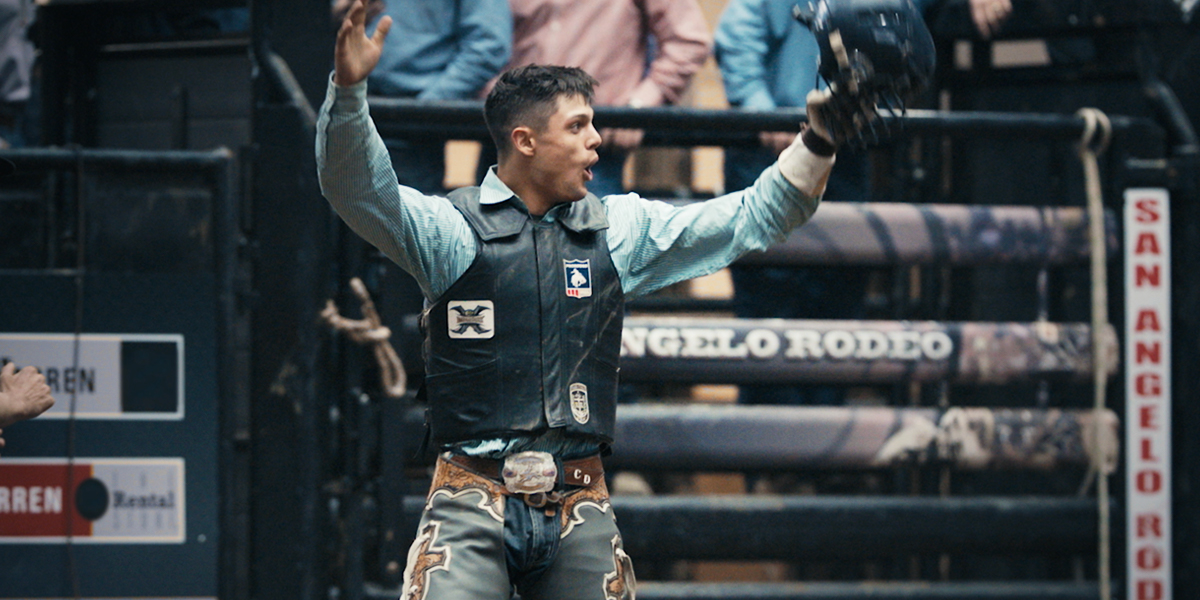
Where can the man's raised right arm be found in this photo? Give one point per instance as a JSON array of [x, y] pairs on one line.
[[424, 235]]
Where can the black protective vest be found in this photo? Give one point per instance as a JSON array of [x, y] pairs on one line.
[[529, 336]]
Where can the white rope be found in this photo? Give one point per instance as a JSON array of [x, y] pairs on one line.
[[1089, 149], [370, 330]]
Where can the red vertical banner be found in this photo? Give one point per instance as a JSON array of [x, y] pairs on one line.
[[1148, 393]]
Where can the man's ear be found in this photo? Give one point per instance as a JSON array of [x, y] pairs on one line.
[[523, 140]]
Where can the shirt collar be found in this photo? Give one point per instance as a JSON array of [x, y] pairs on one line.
[[492, 190], [586, 215]]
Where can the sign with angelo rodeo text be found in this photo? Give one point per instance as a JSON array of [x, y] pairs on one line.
[[788, 351], [92, 500], [110, 376]]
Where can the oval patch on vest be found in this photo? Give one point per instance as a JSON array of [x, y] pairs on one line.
[[579, 403]]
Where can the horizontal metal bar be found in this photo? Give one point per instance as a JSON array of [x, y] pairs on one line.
[[827, 527], [807, 528], [702, 126], [875, 233], [873, 590], [667, 303], [724, 350], [58, 158], [688, 437]]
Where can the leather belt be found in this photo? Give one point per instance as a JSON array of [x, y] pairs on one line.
[[581, 472]]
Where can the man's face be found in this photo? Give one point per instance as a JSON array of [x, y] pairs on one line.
[[566, 151]]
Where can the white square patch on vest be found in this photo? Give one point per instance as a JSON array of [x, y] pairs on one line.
[[579, 277], [471, 319], [579, 402]]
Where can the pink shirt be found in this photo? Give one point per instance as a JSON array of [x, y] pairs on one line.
[[607, 38]]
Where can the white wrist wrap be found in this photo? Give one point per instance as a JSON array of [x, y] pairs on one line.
[[807, 171]]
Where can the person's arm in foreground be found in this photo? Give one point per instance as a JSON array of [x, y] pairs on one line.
[[23, 395], [423, 234], [658, 244]]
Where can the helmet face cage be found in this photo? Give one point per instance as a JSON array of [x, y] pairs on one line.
[[875, 55]]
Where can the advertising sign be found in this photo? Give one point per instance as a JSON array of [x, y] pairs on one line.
[[109, 376], [92, 500], [1148, 392]]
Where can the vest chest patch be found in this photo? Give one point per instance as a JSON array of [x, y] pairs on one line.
[[579, 278], [579, 402], [471, 319]]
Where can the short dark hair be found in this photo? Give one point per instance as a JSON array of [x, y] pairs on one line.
[[528, 95]]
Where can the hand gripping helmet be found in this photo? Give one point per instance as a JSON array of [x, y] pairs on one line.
[[875, 54]]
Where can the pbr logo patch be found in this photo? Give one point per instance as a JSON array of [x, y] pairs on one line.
[[579, 403], [471, 319], [579, 278]]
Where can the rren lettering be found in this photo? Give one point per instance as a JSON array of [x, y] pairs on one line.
[[70, 380], [34, 500]]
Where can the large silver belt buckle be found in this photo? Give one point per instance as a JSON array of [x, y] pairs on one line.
[[530, 472]]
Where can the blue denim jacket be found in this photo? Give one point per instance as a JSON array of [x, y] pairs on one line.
[[442, 49]]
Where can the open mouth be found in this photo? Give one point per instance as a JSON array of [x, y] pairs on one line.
[[587, 173]]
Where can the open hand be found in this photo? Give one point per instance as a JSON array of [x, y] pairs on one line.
[[23, 395], [356, 54]]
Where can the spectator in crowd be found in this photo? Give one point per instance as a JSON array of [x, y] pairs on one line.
[[608, 39], [23, 395], [16, 70], [437, 50]]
